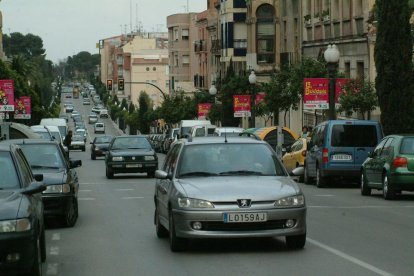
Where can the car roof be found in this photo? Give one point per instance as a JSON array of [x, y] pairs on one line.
[[221, 140], [29, 141]]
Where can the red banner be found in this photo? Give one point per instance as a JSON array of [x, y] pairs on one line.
[[260, 98], [340, 82], [6, 95], [316, 93], [242, 105], [203, 110], [22, 109]]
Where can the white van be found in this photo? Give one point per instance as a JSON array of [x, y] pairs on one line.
[[202, 131], [186, 125], [59, 122]]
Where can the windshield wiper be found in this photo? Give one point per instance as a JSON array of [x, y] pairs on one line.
[[198, 174], [44, 167], [241, 172]]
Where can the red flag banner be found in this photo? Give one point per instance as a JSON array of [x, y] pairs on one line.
[[316, 93], [203, 110], [6, 95], [242, 105], [22, 109]]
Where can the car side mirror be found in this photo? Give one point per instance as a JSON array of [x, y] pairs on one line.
[[371, 154], [75, 163], [159, 174], [34, 188], [298, 171], [38, 177]]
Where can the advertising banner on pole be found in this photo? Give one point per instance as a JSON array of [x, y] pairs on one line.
[[242, 105], [203, 110], [22, 109], [260, 98], [6, 95], [316, 93]]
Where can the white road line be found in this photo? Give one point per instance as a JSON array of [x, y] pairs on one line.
[[324, 195], [86, 198], [359, 207], [133, 197], [124, 190], [54, 250], [349, 258], [52, 269], [56, 237], [85, 191]]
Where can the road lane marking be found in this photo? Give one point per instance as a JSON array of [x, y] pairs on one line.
[[124, 190], [86, 198], [52, 269], [85, 191], [133, 197], [349, 258], [56, 237], [359, 207], [324, 195], [54, 250]]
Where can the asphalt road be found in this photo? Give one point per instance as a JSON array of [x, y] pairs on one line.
[[347, 234]]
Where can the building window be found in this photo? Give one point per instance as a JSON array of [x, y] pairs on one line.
[[176, 34], [176, 60], [184, 34], [154, 68], [147, 68], [347, 69], [265, 34], [360, 70], [186, 60]]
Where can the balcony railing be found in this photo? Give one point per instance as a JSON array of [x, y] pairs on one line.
[[200, 46]]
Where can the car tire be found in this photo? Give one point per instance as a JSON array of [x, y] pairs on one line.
[[176, 244], [37, 260], [151, 174], [71, 215], [159, 228], [387, 189], [306, 178], [365, 189], [83, 149], [109, 173], [320, 180], [296, 242], [93, 156], [43, 246]]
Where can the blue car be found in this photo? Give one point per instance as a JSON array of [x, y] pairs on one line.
[[338, 148]]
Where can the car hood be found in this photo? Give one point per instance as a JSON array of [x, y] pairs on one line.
[[230, 188], [132, 152], [52, 178], [9, 204]]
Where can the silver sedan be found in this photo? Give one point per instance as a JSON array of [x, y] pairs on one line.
[[217, 187]]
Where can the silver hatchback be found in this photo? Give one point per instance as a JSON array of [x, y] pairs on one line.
[[217, 187]]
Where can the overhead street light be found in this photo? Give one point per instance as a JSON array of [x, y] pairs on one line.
[[331, 56]]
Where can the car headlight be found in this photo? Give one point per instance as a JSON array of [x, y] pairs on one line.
[[149, 158], [56, 189], [194, 203], [16, 225], [117, 158], [291, 201]]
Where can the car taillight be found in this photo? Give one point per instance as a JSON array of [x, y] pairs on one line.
[[303, 153], [399, 162], [325, 155]]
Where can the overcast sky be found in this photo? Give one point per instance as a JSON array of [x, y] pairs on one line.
[[68, 27]]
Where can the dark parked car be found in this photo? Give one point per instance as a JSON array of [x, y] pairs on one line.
[[390, 167], [130, 154], [61, 196], [99, 146], [22, 231], [211, 187]]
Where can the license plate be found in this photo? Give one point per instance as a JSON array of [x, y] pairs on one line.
[[342, 157], [133, 165], [244, 217]]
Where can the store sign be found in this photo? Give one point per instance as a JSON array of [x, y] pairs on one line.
[[203, 110], [316, 93], [242, 105], [22, 109], [6, 95]]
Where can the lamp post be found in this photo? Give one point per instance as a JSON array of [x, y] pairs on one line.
[[331, 56], [212, 90], [252, 81]]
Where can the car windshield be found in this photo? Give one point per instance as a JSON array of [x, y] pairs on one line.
[[131, 143], [8, 179], [43, 156], [229, 159], [77, 138], [44, 134], [103, 139]]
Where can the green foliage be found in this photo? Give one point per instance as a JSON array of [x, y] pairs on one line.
[[178, 107], [144, 105], [27, 45], [393, 60], [358, 96]]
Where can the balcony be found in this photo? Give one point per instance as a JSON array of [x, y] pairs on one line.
[[200, 46], [215, 47]]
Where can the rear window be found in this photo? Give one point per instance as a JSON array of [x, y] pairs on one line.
[[407, 146], [354, 136]]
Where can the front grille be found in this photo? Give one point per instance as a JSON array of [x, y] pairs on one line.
[[137, 158], [250, 226]]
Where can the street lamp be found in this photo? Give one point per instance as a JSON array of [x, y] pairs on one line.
[[331, 56], [252, 81], [212, 90]]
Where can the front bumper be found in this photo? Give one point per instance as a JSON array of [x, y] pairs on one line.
[[100, 152], [133, 167], [214, 227], [13, 244], [56, 204]]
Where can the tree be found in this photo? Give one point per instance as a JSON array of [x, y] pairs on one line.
[[28, 45], [144, 104], [358, 96], [178, 107], [393, 61]]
